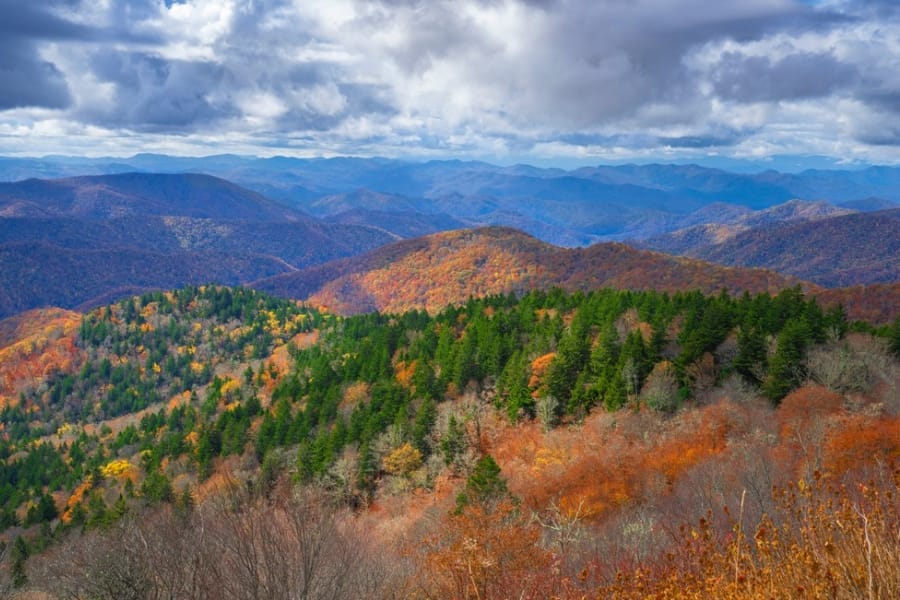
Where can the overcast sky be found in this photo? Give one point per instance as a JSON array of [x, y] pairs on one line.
[[536, 80]]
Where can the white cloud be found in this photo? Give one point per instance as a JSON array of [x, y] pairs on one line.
[[572, 78]]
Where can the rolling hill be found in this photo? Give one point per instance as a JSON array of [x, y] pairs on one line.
[[444, 268], [717, 223], [833, 251], [84, 240], [564, 207]]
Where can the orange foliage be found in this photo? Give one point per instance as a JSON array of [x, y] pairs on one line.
[[603, 465], [539, 368], [802, 408], [36, 345], [404, 372], [77, 498], [820, 542], [354, 394], [860, 440], [486, 554]]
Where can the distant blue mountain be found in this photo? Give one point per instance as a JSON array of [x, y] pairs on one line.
[[570, 207]]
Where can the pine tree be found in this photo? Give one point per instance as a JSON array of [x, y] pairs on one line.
[[750, 360], [423, 424], [894, 338], [787, 369], [484, 485], [18, 558]]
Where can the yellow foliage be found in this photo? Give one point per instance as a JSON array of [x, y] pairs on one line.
[[191, 438], [230, 385], [119, 468], [549, 458], [196, 367], [403, 461]]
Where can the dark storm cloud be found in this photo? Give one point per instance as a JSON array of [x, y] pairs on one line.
[[888, 100], [27, 79], [796, 76], [153, 94]]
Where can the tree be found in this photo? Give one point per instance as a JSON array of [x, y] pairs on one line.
[[403, 461], [787, 368], [18, 558], [454, 441], [572, 355], [894, 337], [481, 554], [750, 361], [484, 485], [660, 391]]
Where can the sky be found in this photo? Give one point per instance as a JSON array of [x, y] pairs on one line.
[[539, 81]]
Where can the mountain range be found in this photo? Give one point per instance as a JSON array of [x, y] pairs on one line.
[[472, 410], [320, 228], [570, 208], [827, 248], [85, 240]]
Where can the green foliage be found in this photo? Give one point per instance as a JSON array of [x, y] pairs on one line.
[[894, 337], [786, 368], [484, 485], [157, 488], [337, 398], [18, 558]]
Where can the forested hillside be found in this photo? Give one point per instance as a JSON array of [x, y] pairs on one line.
[[548, 444], [84, 241], [433, 271], [831, 251]]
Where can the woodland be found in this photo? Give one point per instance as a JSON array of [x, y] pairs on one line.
[[216, 442]]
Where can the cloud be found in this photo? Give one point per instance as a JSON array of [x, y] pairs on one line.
[[796, 76], [28, 79], [483, 77]]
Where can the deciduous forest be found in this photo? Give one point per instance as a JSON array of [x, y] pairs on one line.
[[218, 442]]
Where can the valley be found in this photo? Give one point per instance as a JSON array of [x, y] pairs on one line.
[[442, 404]]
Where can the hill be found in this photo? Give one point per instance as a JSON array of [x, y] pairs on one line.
[[830, 250], [434, 271], [717, 223], [68, 242], [567, 445], [128, 194], [445, 268], [565, 207], [402, 225]]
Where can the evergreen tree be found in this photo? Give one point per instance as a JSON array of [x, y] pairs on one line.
[[787, 368], [750, 361], [572, 355], [18, 558], [484, 484], [453, 442], [894, 337], [423, 424]]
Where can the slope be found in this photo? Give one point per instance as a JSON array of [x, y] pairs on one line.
[[67, 242], [108, 196], [838, 251], [715, 224], [445, 268]]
